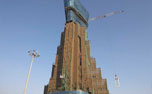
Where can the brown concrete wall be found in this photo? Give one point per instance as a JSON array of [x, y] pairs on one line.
[[74, 62]]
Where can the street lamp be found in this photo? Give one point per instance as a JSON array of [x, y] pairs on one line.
[[34, 54]]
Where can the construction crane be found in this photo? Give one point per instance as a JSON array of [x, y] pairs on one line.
[[117, 82], [106, 15]]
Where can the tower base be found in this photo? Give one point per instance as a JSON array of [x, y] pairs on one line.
[[69, 92]]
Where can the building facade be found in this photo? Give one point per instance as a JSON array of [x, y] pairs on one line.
[[74, 71]]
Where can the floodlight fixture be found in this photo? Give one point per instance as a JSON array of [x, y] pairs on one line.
[[34, 53]]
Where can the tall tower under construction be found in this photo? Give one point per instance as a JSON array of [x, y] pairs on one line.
[[74, 71]]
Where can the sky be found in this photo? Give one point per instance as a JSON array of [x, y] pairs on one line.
[[121, 44]]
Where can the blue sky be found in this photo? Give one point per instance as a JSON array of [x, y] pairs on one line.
[[121, 44]]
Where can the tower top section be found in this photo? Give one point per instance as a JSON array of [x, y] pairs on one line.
[[75, 12]]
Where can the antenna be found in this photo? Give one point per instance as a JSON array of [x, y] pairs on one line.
[[106, 15]]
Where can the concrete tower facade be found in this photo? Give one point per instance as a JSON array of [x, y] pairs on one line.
[[74, 71]]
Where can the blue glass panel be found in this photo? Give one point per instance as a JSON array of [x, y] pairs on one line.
[[71, 16], [79, 9]]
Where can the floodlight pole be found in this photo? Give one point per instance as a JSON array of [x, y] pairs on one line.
[[28, 75], [33, 54]]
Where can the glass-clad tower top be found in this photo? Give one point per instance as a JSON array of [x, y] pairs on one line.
[[75, 12]]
